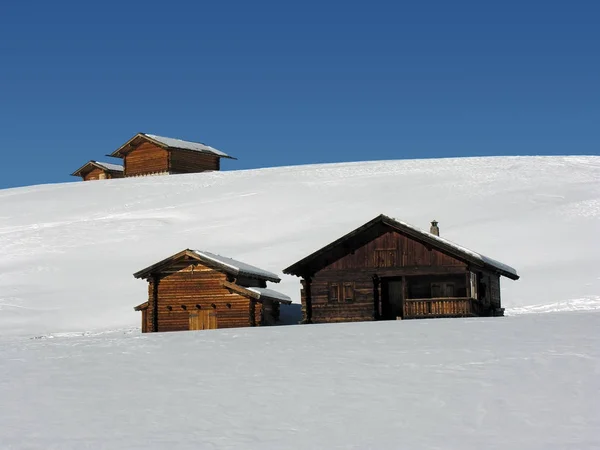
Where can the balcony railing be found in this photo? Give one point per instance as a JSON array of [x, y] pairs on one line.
[[441, 307]]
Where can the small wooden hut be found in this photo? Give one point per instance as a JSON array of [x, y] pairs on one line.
[[96, 170], [388, 270], [148, 154], [197, 290]]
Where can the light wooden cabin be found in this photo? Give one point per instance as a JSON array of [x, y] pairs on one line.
[[148, 154], [96, 170], [388, 270], [197, 290]]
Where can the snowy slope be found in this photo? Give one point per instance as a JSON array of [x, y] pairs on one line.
[[527, 382], [68, 251]]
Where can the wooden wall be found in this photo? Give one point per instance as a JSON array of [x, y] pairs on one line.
[[94, 174], [146, 159], [197, 287], [390, 255], [183, 161]]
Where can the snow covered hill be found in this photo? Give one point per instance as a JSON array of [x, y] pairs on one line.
[[68, 251], [528, 382]]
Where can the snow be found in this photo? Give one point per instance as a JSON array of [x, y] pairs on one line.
[[238, 267], [66, 248], [528, 382], [110, 166], [75, 371], [187, 145], [270, 293]]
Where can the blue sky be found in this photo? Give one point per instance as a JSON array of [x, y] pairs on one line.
[[280, 83]]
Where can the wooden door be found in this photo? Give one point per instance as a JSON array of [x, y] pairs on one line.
[[392, 299], [203, 320]]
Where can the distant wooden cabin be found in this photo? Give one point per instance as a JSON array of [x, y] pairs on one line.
[[197, 290], [96, 170], [388, 270], [147, 154]]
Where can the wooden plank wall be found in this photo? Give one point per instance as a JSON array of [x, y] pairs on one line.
[[391, 254], [94, 174], [495, 291], [198, 287], [146, 159], [394, 250], [183, 161]]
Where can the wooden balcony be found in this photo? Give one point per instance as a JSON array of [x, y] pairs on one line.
[[441, 307]]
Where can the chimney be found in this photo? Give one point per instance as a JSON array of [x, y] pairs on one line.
[[434, 228]]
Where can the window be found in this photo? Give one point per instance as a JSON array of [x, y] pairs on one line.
[[348, 292], [334, 292], [440, 290]]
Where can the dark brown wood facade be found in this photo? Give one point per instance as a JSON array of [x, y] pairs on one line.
[[95, 171], [386, 271], [187, 294], [144, 156]]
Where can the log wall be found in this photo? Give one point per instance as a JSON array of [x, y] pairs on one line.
[[182, 161], [344, 291], [193, 288], [146, 159]]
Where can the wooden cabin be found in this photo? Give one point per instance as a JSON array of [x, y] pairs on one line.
[[148, 154], [96, 170], [198, 290], [388, 270]]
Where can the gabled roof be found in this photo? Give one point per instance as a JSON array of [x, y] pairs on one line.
[[375, 228], [214, 261], [167, 143], [259, 294], [91, 165]]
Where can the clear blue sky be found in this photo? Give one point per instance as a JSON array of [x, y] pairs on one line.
[[279, 83]]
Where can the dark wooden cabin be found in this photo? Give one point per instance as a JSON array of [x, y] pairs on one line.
[[96, 170], [197, 290], [147, 154], [388, 270]]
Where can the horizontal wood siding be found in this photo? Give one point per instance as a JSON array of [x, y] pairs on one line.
[[196, 285], [183, 161], [326, 309], [390, 255], [93, 174], [146, 159]]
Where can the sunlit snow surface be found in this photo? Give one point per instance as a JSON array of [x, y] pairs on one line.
[[524, 382], [68, 251], [76, 373]]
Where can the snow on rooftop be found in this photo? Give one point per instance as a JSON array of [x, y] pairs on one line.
[[187, 145], [270, 293], [109, 166], [238, 266]]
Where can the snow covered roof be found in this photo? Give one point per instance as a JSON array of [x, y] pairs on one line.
[[90, 165], [187, 145], [355, 239], [218, 262], [270, 294], [109, 166], [170, 143], [237, 267]]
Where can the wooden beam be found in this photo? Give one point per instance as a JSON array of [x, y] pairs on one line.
[[241, 290]]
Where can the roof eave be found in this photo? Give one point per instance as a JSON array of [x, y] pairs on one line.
[[207, 152], [301, 268], [148, 271]]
